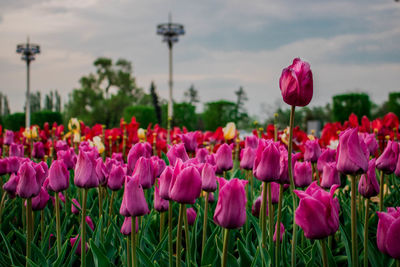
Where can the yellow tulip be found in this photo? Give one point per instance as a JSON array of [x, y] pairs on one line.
[[98, 144], [141, 134], [229, 131]]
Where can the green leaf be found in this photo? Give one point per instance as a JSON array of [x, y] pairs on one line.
[[100, 260], [244, 255], [8, 248]]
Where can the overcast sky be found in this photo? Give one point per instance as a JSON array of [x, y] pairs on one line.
[[351, 46]]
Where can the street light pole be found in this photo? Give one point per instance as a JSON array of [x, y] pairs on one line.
[[28, 52], [170, 32]]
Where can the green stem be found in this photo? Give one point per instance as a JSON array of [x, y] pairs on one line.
[[366, 233], [354, 221], [278, 229], [270, 223], [381, 186], [251, 186], [128, 257], [397, 263], [42, 225], [133, 241], [179, 236], [225, 248], [110, 208], [101, 210], [2, 203], [58, 224], [292, 187], [162, 221], [83, 227], [264, 215], [187, 236], [28, 230], [170, 249], [203, 243], [324, 255]]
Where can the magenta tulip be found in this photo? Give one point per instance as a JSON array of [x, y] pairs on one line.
[[75, 206], [201, 154], [28, 185], [144, 170], [116, 178], [208, 178], [251, 141], [11, 185], [185, 185], [165, 182], [230, 211], [371, 143], [160, 204], [296, 83], [8, 137], [387, 234], [16, 150], [247, 158], [85, 170], [101, 171], [126, 227], [68, 156], [327, 155], [190, 141], [61, 145], [312, 151], [352, 153], [191, 215], [256, 207], [282, 231], [387, 161], [137, 151], [267, 162], [117, 157], [40, 201], [175, 152], [58, 176], [38, 150], [368, 185], [330, 175], [158, 166], [283, 164], [72, 240], [223, 158], [318, 212], [133, 201], [3, 166]]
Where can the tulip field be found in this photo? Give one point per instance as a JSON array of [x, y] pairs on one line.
[[142, 195]]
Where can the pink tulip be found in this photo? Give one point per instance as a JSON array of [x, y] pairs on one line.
[[3, 166], [368, 185], [230, 211], [256, 207], [387, 161], [327, 155], [89, 222], [11, 185], [158, 166], [8, 137], [223, 158], [126, 227], [75, 207], [318, 212], [312, 151], [352, 153], [16, 150], [144, 170], [101, 171], [296, 83], [116, 178], [185, 185], [68, 156], [177, 151], [282, 231], [191, 215], [251, 141], [208, 178], [72, 240], [201, 154], [38, 150], [387, 234], [247, 158], [40, 201], [28, 185], [267, 162], [165, 181], [330, 175], [58, 176], [137, 151], [371, 143], [61, 145], [133, 201], [190, 141], [160, 204], [85, 170]]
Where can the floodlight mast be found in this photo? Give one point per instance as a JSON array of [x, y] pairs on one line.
[[170, 32], [28, 52]]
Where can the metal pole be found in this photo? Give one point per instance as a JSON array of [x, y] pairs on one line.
[[170, 102], [28, 97]]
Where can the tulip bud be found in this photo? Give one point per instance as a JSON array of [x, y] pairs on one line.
[[165, 181], [229, 131], [208, 178], [191, 215], [101, 171], [223, 158], [126, 227], [89, 222], [177, 152], [312, 151], [368, 185], [352, 153], [330, 175], [8, 137], [185, 185], [72, 240], [85, 170], [11, 185], [387, 161], [58, 176], [28, 186], [144, 170], [190, 141], [371, 143], [40, 201], [282, 231], [267, 162], [230, 211], [387, 232], [137, 151], [248, 155], [296, 83], [116, 178], [133, 201], [311, 213], [328, 155], [75, 207], [160, 204]]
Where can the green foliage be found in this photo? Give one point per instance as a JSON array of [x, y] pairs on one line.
[[393, 104], [143, 114], [192, 95], [14, 121], [218, 113], [345, 104], [103, 96], [41, 117], [156, 102], [184, 114]]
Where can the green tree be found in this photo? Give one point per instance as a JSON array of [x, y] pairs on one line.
[[218, 113], [241, 117], [156, 102], [103, 96], [192, 95], [345, 104]]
